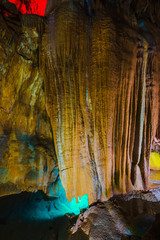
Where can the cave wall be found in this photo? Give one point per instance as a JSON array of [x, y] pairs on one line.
[[27, 153], [79, 100]]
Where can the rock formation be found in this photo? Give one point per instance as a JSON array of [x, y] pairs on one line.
[[79, 101], [127, 217]]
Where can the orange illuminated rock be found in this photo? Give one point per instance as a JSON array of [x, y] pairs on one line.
[[78, 103]]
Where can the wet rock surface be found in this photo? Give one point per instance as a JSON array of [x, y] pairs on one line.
[[79, 93], [79, 104], [31, 216], [131, 216]]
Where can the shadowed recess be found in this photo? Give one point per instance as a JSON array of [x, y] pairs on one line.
[[34, 207]]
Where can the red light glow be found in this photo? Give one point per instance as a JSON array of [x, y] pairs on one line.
[[31, 6]]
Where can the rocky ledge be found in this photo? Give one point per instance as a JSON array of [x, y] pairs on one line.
[[32, 216], [129, 216]]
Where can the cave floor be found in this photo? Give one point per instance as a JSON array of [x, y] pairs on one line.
[[136, 215]]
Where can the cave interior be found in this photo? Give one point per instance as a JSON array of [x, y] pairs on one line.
[[79, 119]]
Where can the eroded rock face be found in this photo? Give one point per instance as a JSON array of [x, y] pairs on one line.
[[102, 221], [27, 154], [122, 217], [32, 216], [105, 94], [79, 100]]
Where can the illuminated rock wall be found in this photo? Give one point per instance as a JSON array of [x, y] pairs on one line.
[[79, 100], [28, 160], [100, 85]]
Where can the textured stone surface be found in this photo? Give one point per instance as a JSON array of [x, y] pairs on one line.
[[123, 217], [30, 216], [102, 221], [78, 98], [103, 131], [27, 154]]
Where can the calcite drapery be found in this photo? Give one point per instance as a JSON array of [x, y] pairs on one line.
[[99, 95], [82, 99]]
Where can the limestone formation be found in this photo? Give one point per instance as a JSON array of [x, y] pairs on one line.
[[79, 98]]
